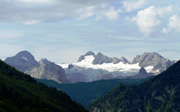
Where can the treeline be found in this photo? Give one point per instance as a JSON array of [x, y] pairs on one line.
[[20, 92]]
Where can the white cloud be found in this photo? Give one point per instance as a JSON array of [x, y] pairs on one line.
[[164, 10], [147, 19], [37, 1], [35, 11], [99, 12], [84, 13], [130, 5], [174, 23], [164, 30], [112, 13]]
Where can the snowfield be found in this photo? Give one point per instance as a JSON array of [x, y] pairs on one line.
[[92, 71]]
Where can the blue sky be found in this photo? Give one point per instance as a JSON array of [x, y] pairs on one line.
[[62, 30]]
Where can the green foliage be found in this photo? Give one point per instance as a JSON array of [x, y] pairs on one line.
[[158, 94], [86, 93], [21, 93]]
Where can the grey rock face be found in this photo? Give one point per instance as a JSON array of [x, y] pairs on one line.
[[76, 77], [105, 76], [70, 66], [49, 71], [81, 58], [152, 59], [87, 54], [100, 59], [44, 61], [124, 60], [53, 71], [142, 71], [115, 60], [22, 61]]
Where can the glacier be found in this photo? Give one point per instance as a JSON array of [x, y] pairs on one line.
[[92, 72]]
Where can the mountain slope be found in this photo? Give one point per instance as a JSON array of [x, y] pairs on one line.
[[159, 94], [21, 93]]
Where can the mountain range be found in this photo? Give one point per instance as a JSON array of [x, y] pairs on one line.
[[90, 67], [158, 94]]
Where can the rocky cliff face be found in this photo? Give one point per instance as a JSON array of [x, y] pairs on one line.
[[153, 59], [100, 59]]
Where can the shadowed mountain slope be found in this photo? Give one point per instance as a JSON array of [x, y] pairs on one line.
[[21, 93], [159, 94]]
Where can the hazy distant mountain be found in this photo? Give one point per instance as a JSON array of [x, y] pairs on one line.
[[96, 67], [22, 61], [25, 62]]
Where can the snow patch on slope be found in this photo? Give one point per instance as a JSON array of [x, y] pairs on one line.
[[24, 58]]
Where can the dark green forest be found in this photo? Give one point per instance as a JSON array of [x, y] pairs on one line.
[[158, 94], [21, 93], [87, 92]]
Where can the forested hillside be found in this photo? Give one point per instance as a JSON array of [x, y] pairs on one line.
[[159, 94], [86, 93], [21, 93]]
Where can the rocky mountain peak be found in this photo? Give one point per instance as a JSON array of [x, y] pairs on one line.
[[25, 55], [142, 71], [124, 60], [152, 59], [44, 61], [90, 53], [22, 61], [100, 59], [82, 57]]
